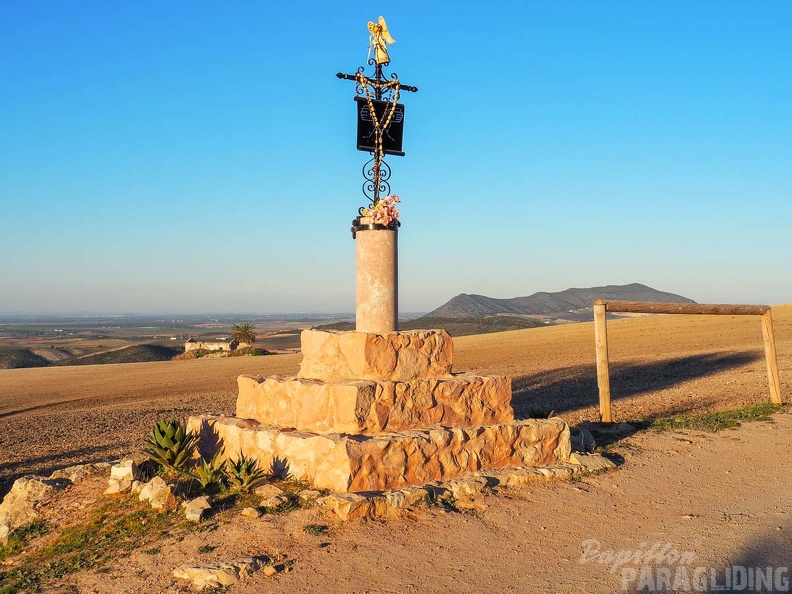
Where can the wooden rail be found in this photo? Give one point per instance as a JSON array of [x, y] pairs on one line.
[[601, 338]]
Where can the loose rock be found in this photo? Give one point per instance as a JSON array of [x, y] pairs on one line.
[[196, 509], [123, 472], [251, 512], [267, 491], [158, 493], [591, 462], [218, 575], [19, 505], [582, 440], [276, 501], [118, 487], [308, 494], [80, 471], [467, 488]]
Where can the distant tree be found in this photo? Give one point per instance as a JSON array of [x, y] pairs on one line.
[[243, 333]]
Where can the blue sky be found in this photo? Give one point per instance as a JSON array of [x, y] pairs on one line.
[[200, 157]]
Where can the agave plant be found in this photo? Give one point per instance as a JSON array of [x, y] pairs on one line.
[[244, 473], [210, 473], [171, 445]]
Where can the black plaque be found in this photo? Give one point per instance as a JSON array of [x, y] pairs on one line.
[[392, 135]]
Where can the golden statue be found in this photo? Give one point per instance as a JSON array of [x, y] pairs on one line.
[[378, 40]]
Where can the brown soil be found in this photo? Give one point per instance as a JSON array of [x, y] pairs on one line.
[[723, 497]]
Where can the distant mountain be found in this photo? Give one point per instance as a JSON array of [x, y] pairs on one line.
[[460, 326], [564, 304]]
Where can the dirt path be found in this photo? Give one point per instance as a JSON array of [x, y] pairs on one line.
[[721, 499], [726, 498]]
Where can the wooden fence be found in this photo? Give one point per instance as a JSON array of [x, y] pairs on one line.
[[601, 338]]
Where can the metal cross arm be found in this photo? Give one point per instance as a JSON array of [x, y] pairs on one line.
[[343, 76]]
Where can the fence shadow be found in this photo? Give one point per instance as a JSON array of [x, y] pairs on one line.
[[63, 404], [572, 388]]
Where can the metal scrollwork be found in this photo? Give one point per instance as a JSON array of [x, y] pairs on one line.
[[376, 172]]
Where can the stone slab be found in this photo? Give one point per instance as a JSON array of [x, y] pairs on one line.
[[398, 356], [351, 506], [369, 406], [376, 504], [357, 463]]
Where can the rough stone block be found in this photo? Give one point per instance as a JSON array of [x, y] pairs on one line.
[[19, 506], [127, 469], [468, 487], [80, 471], [218, 574], [267, 491], [399, 356], [592, 462], [369, 406], [118, 487], [195, 509], [379, 462], [159, 494], [350, 506], [528, 476], [308, 494], [274, 502]]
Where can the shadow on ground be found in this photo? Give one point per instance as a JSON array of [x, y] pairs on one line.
[[46, 465], [573, 388], [763, 563]]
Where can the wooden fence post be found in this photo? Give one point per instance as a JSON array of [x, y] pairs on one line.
[[603, 374], [770, 357], [601, 338]]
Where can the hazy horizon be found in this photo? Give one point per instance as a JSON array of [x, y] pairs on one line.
[[263, 314]]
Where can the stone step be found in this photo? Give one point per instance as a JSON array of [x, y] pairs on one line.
[[360, 463], [397, 356], [462, 493], [369, 406]]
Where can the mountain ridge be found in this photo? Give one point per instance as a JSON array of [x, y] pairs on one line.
[[543, 303]]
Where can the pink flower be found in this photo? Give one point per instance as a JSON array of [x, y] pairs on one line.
[[384, 212]]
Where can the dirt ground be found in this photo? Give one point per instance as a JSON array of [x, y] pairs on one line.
[[721, 499]]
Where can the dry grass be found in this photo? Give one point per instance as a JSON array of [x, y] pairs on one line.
[[659, 365], [69, 415], [55, 416]]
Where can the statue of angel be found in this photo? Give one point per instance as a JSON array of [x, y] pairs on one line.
[[378, 40]]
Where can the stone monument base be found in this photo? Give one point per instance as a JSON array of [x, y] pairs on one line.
[[341, 462], [376, 412]]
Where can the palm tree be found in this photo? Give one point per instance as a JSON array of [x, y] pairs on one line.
[[243, 333]]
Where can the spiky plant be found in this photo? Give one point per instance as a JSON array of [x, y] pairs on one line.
[[210, 474], [244, 473], [170, 444]]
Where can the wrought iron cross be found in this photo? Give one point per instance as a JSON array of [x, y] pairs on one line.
[[378, 113]]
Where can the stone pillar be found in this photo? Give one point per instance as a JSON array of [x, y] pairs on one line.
[[376, 281]]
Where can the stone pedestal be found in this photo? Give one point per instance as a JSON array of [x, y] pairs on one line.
[[379, 411], [377, 278], [399, 356]]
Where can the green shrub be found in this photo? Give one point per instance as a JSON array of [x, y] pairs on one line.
[[210, 474], [315, 529], [171, 445], [244, 473]]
